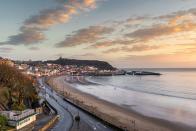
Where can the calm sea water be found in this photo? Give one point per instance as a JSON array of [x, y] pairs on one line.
[[171, 96]]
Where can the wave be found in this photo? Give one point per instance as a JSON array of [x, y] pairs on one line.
[[170, 93]]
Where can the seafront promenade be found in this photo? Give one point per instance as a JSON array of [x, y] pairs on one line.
[[106, 111], [68, 111]]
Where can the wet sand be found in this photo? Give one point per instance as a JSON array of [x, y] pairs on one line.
[[116, 115]]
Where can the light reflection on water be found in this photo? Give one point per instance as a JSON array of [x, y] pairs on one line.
[[171, 96]]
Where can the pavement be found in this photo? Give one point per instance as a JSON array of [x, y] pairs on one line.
[[67, 112], [42, 119]]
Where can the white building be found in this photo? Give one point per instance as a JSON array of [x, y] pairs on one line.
[[19, 119]]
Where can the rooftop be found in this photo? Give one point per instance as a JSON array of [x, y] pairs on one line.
[[17, 115]]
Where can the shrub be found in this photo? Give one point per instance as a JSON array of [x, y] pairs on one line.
[[21, 92], [3, 123]]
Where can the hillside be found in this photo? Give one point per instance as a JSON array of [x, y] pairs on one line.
[[102, 65], [99, 64], [16, 90]]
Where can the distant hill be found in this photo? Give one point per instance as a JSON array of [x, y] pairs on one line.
[[102, 65], [98, 64]]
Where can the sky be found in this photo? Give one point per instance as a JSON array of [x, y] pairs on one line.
[[126, 33]]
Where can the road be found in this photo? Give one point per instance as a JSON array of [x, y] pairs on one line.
[[65, 121], [67, 111]]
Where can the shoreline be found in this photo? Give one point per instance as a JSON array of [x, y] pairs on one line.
[[110, 112]]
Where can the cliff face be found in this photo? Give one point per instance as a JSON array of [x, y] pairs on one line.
[[98, 64]]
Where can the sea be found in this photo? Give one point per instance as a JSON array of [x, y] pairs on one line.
[[170, 96]]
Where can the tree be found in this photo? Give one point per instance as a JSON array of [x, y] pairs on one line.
[[3, 123], [8, 79], [19, 87]]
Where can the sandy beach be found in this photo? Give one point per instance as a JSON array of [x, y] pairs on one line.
[[109, 112]]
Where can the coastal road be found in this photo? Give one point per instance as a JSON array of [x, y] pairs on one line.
[[67, 111], [65, 121]]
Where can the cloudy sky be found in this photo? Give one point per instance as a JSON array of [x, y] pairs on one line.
[[126, 33]]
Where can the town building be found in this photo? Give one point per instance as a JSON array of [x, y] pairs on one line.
[[19, 119]]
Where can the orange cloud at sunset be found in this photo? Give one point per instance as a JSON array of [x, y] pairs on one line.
[[159, 30], [36, 24], [90, 3], [85, 36], [108, 29]]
